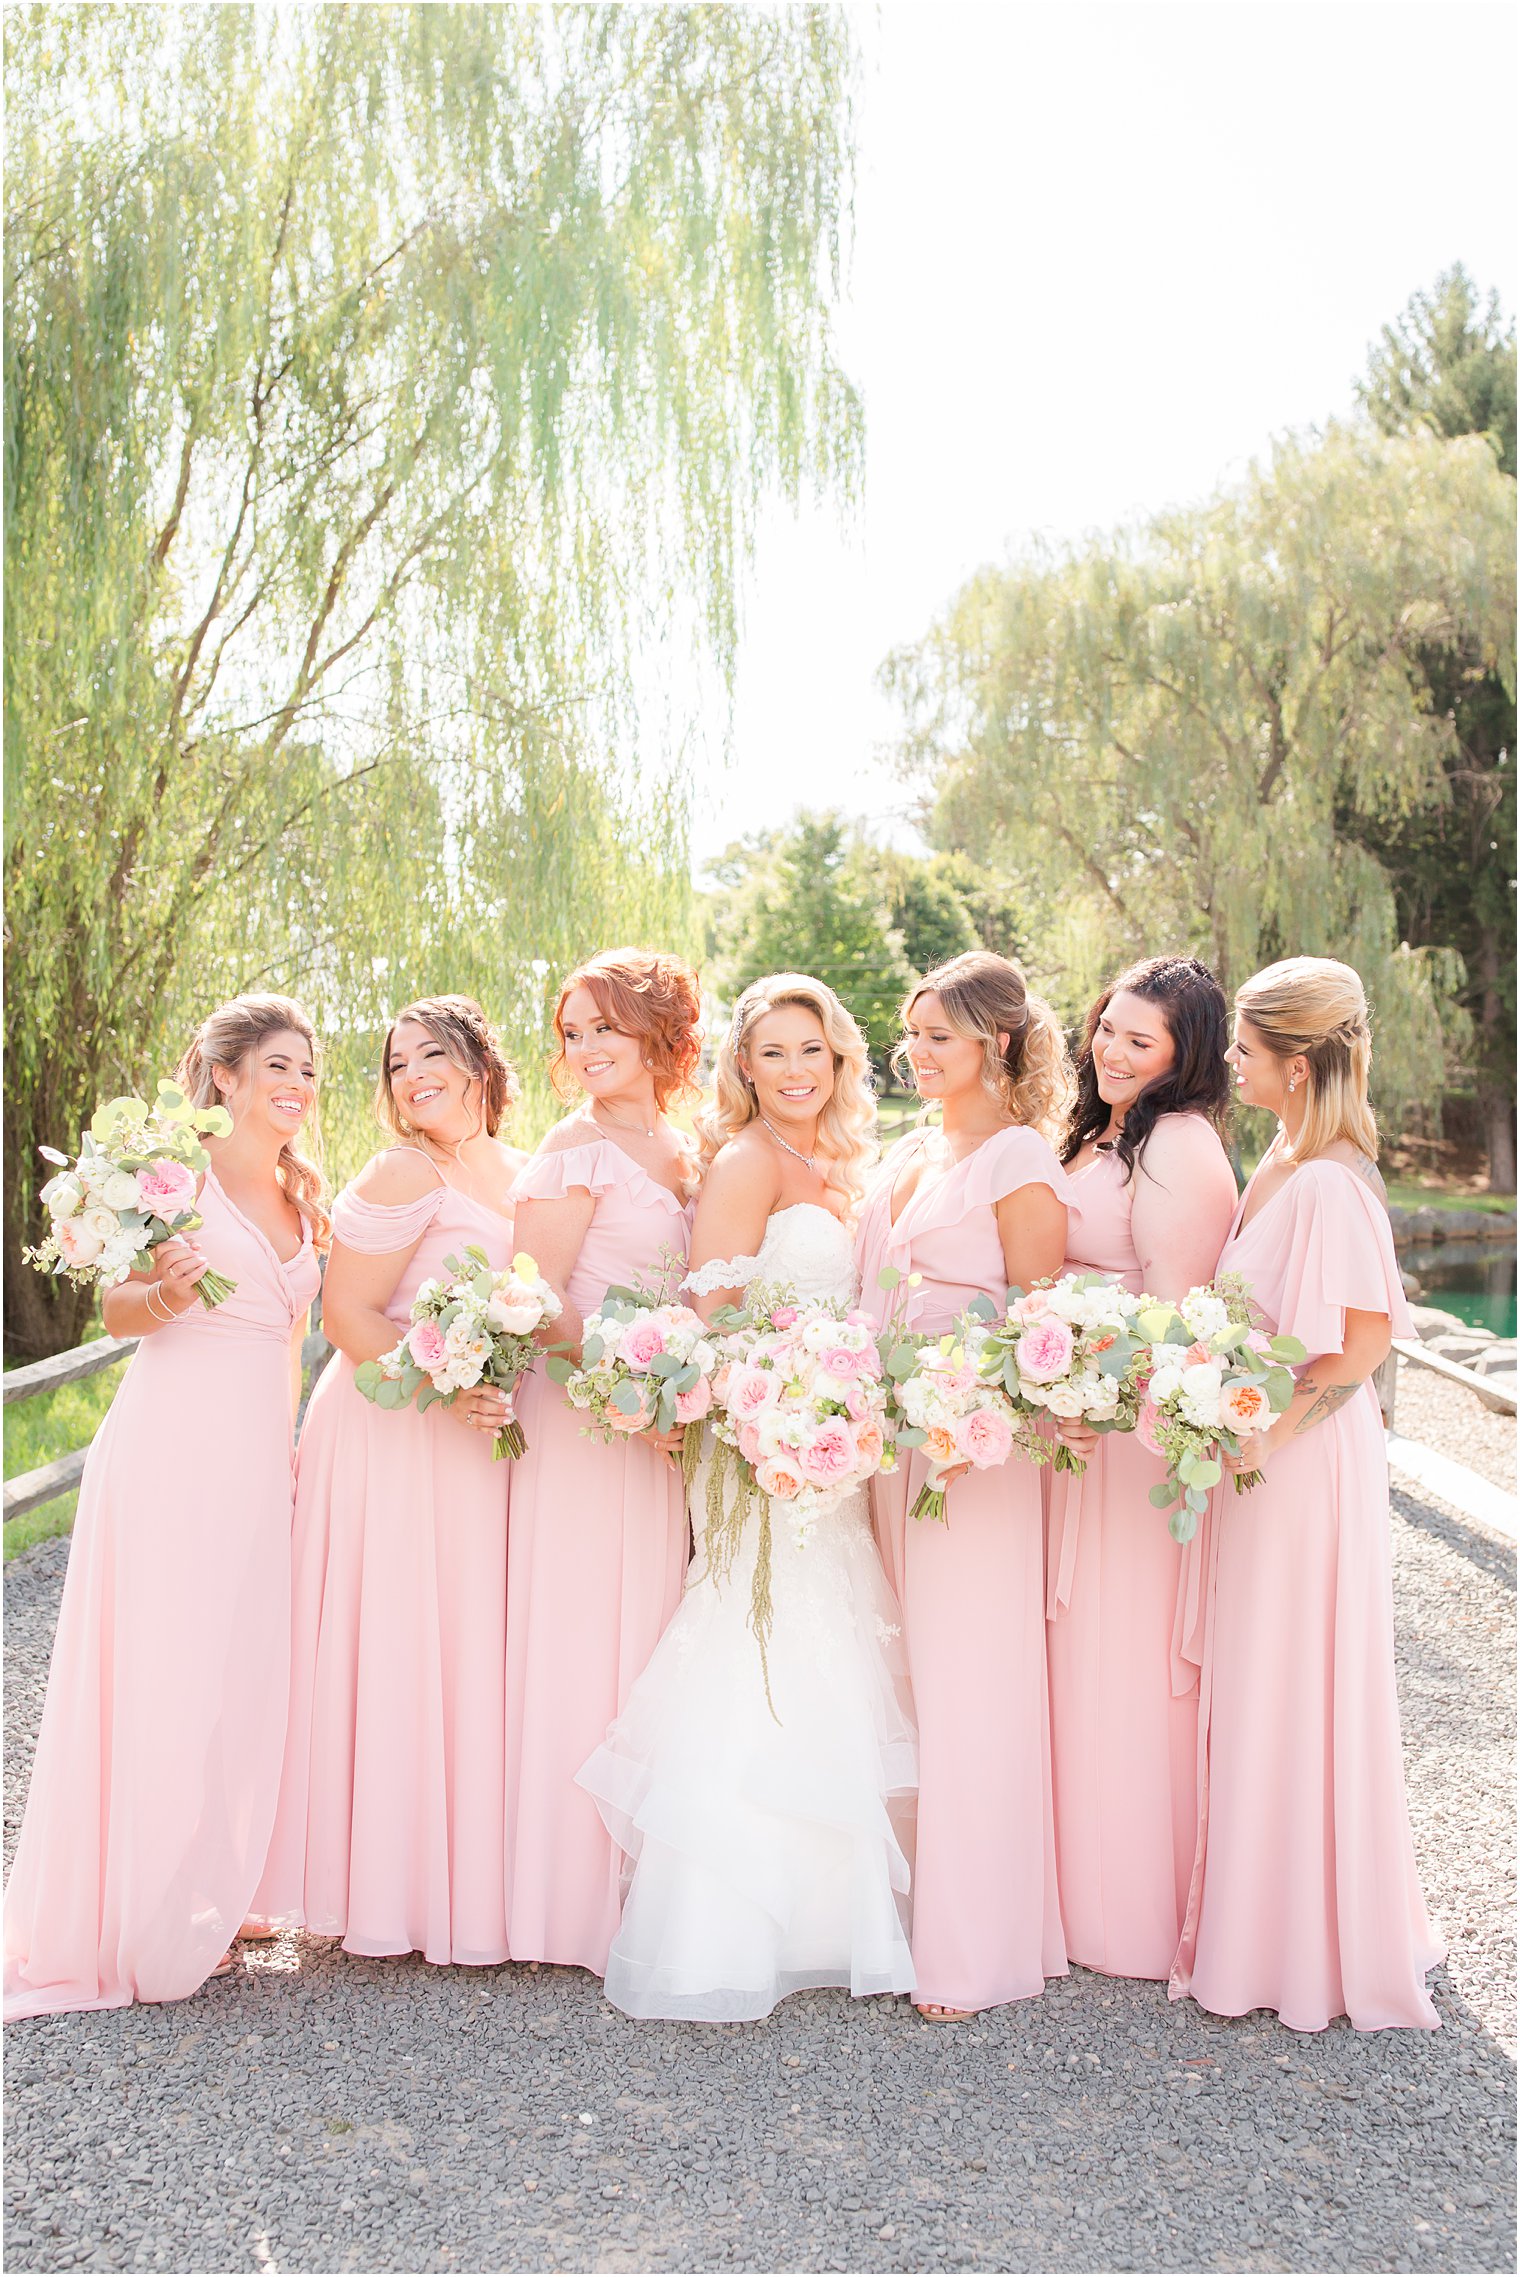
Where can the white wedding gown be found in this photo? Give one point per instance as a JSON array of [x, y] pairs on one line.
[[766, 1855]]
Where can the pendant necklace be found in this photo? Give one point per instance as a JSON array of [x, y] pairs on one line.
[[792, 1150], [646, 1128]]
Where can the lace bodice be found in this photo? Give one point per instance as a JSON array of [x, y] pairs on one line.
[[805, 1246]]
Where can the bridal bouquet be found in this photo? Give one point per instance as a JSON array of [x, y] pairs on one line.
[[132, 1187], [1069, 1348], [475, 1328], [941, 1401], [646, 1365], [1208, 1377], [804, 1401]]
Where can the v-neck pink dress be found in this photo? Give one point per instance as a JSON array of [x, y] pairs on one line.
[[986, 1914], [389, 1831], [158, 1760], [1305, 1897], [1124, 1639], [597, 1560]]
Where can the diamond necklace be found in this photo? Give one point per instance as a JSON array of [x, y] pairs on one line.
[[793, 1150], [646, 1128]]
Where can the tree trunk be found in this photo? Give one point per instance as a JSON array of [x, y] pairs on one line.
[[42, 1315], [1496, 1104], [1498, 1112]]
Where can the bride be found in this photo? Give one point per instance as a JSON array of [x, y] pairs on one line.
[[766, 1851]]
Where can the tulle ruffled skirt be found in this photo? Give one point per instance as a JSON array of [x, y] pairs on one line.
[[767, 1850]]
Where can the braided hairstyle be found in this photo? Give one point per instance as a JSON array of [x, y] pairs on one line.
[[458, 1024], [1317, 1006]]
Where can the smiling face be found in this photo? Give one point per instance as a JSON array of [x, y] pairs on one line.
[[433, 1096], [790, 1062], [275, 1085], [1261, 1078], [944, 1062], [605, 1061], [1132, 1048]]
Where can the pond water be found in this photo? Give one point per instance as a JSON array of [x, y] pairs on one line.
[[1475, 1281]]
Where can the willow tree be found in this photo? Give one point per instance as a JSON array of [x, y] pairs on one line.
[[1172, 731], [389, 395]]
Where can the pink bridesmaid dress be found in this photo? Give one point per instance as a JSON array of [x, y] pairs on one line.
[[389, 1830], [1305, 1897], [1124, 1639], [986, 1916], [158, 1761], [596, 1563]]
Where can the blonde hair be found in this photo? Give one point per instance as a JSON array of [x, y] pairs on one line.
[[460, 1028], [847, 1126], [985, 997], [1318, 1007], [224, 1040]]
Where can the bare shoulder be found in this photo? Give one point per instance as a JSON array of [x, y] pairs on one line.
[[744, 1171], [574, 1129], [1182, 1147], [399, 1175]]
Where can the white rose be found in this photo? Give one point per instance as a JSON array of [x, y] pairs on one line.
[[1062, 1399], [1166, 1382], [772, 1429], [63, 1195], [120, 1191], [102, 1223], [517, 1319]]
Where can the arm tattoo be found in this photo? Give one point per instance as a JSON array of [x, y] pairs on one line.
[[1334, 1396]]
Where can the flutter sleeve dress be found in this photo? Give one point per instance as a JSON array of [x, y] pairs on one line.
[[158, 1760], [1305, 1897], [986, 1914], [389, 1831], [597, 1557], [1124, 1637]]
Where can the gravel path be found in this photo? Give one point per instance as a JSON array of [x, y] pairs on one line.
[[1455, 1422], [323, 2113]]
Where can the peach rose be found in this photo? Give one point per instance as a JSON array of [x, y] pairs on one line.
[[1244, 1407], [780, 1478]]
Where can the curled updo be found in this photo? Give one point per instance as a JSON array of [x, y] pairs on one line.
[[985, 997], [847, 1126], [1318, 1007], [225, 1039], [461, 1028], [643, 993], [1192, 1004]]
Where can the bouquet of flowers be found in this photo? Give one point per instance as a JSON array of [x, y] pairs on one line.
[[646, 1365], [132, 1187], [942, 1402], [1208, 1376], [475, 1328], [1069, 1347]]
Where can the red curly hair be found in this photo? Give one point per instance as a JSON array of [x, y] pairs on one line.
[[647, 994]]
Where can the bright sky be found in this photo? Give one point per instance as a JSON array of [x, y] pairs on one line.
[[1104, 252]]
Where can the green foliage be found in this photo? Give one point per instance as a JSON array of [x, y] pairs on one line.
[[1162, 739], [1447, 365], [381, 385]]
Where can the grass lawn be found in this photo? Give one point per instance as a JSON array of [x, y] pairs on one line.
[[38, 1431]]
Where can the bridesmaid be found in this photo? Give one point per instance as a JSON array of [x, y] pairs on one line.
[[389, 1832], [599, 1539], [158, 1760], [1157, 1194], [973, 1207], [1305, 1896]]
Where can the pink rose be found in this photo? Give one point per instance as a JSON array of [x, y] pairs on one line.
[[785, 1316], [1145, 1429], [78, 1245], [692, 1405], [427, 1346], [869, 1444], [722, 1378], [985, 1437], [1030, 1307], [1196, 1356], [1044, 1350], [843, 1360], [166, 1188], [749, 1443], [1257, 1340], [831, 1456], [751, 1391], [779, 1478], [1244, 1407], [641, 1344], [857, 1400]]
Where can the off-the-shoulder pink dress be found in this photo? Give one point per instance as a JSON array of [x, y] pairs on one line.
[[1125, 1637], [158, 1760], [598, 1554], [389, 1830], [1305, 1896], [986, 1915]]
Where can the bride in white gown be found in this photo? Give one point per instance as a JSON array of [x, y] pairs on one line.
[[768, 1852]]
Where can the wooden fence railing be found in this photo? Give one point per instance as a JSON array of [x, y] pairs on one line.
[[33, 1488]]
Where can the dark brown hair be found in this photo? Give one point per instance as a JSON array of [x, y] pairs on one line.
[[1192, 1004]]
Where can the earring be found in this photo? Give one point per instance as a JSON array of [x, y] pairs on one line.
[[1292, 1083]]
